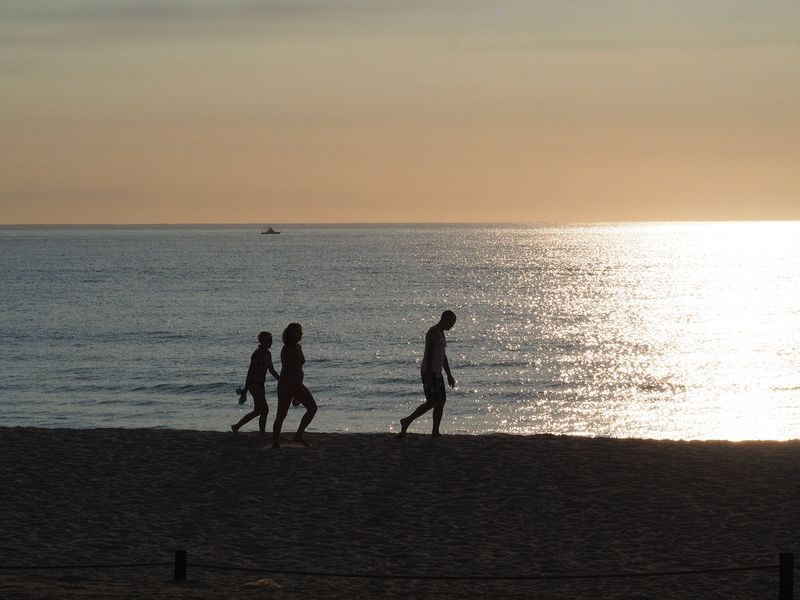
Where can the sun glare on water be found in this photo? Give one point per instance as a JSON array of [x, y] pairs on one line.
[[681, 331], [731, 317]]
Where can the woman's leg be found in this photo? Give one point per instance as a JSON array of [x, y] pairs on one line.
[[284, 400], [308, 401]]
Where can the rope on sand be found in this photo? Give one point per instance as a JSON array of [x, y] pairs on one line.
[[66, 567], [483, 577], [564, 576]]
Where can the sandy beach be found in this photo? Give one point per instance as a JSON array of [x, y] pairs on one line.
[[493, 505]]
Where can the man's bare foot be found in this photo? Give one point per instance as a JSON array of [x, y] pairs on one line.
[[234, 429], [404, 423], [436, 434]]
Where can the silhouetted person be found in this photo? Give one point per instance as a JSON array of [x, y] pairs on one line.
[[260, 363], [433, 361], [290, 385]]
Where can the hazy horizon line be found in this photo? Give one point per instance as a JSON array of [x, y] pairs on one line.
[[372, 223]]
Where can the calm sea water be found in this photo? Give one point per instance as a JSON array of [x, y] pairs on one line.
[[645, 330]]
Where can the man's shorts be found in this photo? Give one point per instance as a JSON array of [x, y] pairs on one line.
[[435, 392]]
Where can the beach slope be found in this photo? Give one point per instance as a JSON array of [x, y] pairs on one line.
[[374, 504]]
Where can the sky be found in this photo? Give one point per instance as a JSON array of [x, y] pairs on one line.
[[358, 111]]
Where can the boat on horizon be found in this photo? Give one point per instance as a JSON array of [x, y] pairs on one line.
[[269, 231]]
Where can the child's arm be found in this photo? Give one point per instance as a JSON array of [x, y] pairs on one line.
[[270, 366], [253, 365], [242, 391]]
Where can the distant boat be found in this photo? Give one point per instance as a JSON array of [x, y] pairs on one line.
[[270, 230]]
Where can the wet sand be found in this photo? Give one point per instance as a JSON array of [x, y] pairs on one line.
[[493, 505]]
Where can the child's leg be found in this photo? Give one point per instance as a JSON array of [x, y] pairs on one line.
[[245, 419], [260, 403]]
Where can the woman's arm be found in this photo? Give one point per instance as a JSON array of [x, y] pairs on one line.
[[298, 360]]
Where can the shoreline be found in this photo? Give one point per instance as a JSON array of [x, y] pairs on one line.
[[493, 504], [251, 429]]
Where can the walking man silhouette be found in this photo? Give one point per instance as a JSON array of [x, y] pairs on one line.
[[433, 361]]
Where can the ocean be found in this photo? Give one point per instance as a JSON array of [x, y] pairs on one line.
[[648, 330]]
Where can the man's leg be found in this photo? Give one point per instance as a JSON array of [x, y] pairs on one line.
[[439, 396], [438, 411], [420, 410]]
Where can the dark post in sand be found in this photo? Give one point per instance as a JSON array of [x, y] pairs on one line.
[[786, 577], [180, 565]]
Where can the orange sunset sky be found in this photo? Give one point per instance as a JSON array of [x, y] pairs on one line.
[[290, 111]]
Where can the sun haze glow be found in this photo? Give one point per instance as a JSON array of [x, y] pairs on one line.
[[183, 111]]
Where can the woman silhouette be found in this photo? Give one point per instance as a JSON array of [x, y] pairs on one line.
[[290, 385]]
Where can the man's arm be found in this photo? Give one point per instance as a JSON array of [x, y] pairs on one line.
[[426, 359], [450, 381]]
